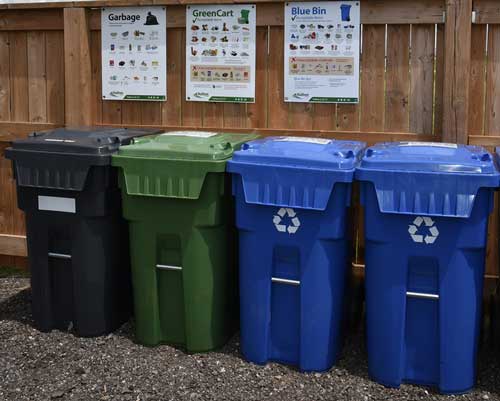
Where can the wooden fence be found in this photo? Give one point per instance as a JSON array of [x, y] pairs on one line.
[[421, 79]]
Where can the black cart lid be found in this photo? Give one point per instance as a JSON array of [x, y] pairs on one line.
[[61, 158], [91, 141]]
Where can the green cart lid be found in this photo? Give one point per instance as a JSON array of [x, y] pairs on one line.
[[187, 145], [175, 164]]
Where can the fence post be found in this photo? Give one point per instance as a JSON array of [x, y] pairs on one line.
[[458, 30], [77, 67]]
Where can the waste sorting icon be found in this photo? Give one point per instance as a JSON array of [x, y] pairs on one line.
[[423, 230], [280, 218]]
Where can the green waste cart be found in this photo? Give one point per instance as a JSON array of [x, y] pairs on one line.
[[177, 200]]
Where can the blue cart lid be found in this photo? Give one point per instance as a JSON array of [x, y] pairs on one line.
[[428, 157], [294, 171], [304, 152], [426, 178]]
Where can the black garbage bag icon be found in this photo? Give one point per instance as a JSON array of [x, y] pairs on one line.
[[151, 19]]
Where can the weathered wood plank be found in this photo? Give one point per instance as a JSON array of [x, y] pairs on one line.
[[397, 78], [486, 12], [477, 80], [422, 78], [191, 111], [492, 117], [300, 115], [277, 109], [438, 89], [78, 67], [347, 117], [256, 112], [31, 20], [484, 140], [171, 109], [13, 130], [235, 115], [213, 113], [6, 194], [456, 70], [54, 44], [131, 112], [19, 106], [4, 77], [150, 112], [13, 245], [325, 116], [96, 61], [372, 78], [369, 137], [37, 80], [271, 12]]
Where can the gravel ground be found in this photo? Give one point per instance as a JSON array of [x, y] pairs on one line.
[[59, 366]]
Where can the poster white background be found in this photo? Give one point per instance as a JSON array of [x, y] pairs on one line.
[[220, 53], [134, 53], [322, 48]]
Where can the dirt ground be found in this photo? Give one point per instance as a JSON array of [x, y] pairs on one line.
[[60, 366]]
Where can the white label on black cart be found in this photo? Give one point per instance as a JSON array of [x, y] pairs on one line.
[[56, 204]]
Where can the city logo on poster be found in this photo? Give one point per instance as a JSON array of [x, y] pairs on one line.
[[423, 230], [293, 221]]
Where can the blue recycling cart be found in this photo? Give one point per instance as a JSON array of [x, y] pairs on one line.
[[291, 200], [426, 220]]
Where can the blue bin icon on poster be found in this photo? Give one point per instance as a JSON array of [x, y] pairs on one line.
[[291, 197], [426, 219], [345, 11]]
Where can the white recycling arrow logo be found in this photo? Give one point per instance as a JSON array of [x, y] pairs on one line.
[[432, 231], [291, 228]]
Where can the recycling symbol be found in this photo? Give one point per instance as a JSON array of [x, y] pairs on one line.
[[294, 221], [431, 231]]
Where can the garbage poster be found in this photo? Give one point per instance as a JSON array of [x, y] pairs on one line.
[[322, 45], [134, 53], [220, 53]]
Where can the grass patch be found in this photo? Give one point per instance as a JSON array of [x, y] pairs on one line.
[[6, 271]]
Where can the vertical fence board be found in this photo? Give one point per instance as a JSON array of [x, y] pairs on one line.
[[131, 112], [78, 67], [171, 109], [277, 109], [213, 114], [19, 107], [301, 116], [492, 123], [6, 194], [54, 45], [150, 113], [438, 86], [347, 117], [37, 84], [372, 78], [256, 112], [325, 116], [235, 115], [191, 111], [111, 112], [421, 78], [457, 64], [95, 41], [397, 76], [4, 77], [476, 80]]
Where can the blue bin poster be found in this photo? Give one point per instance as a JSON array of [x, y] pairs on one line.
[[322, 46]]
